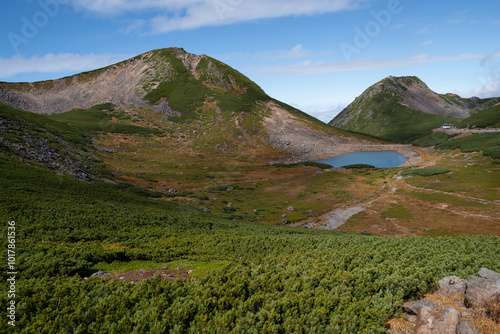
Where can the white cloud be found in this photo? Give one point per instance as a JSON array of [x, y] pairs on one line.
[[135, 27], [116, 7], [296, 52], [490, 82], [398, 26], [489, 89], [427, 43], [56, 63], [358, 64], [427, 29], [191, 14], [324, 113]]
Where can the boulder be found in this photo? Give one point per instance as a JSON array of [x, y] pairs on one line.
[[415, 306], [437, 321], [452, 285], [489, 274], [100, 273], [481, 290], [467, 328]]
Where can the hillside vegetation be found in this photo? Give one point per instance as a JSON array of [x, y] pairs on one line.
[[488, 118], [263, 278], [488, 143], [278, 280]]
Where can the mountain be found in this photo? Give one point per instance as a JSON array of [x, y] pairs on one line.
[[207, 106], [403, 109]]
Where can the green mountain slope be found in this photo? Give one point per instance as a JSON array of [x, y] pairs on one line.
[[488, 118], [213, 108], [403, 109]]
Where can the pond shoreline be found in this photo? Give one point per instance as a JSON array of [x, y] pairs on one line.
[[407, 151]]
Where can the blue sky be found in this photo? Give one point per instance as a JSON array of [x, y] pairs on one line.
[[317, 55]]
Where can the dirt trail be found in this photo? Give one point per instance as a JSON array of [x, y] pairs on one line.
[[386, 193]]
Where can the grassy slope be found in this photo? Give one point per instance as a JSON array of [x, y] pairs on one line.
[[488, 143], [186, 93], [99, 118], [36, 124], [279, 279], [382, 118], [488, 118]]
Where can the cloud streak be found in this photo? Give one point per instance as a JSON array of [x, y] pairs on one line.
[[358, 64], [56, 63], [192, 14]]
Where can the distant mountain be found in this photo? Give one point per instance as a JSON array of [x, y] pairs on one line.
[[212, 107], [403, 109]]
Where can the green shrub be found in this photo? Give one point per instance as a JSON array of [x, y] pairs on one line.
[[360, 166], [473, 143], [425, 171], [493, 152], [306, 163], [98, 119], [433, 139]]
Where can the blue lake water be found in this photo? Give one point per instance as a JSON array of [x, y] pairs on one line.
[[380, 159]]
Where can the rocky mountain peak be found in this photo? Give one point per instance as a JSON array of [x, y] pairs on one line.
[[407, 82]]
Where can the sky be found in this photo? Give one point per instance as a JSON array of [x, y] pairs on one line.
[[317, 55]]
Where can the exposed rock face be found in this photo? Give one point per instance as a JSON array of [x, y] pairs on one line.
[[118, 84], [449, 286], [481, 290], [123, 84], [137, 82], [437, 320], [467, 328], [417, 95], [414, 307]]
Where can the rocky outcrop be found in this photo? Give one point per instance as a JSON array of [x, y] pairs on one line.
[[100, 273], [34, 149], [437, 320], [451, 285], [483, 288], [457, 305]]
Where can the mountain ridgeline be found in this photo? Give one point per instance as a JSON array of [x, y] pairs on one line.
[[206, 103], [170, 80], [403, 109]]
